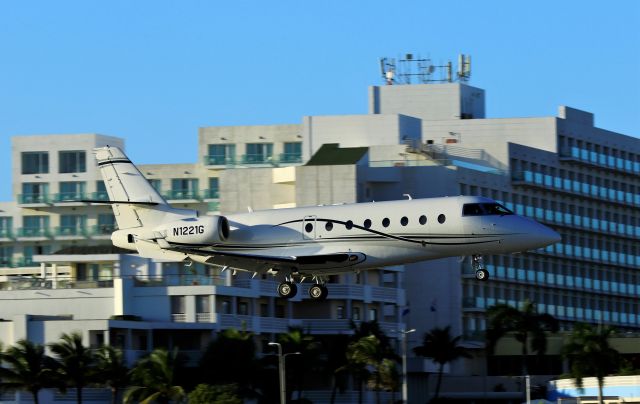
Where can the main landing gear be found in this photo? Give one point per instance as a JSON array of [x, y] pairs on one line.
[[477, 263], [288, 289]]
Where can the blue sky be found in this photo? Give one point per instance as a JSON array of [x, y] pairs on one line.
[[153, 72]]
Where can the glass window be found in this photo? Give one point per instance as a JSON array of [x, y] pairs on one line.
[[404, 221], [35, 162], [328, 226], [349, 225], [184, 188], [156, 184], [71, 190], [441, 218], [178, 305], [221, 154], [386, 222], [423, 220], [259, 153], [292, 152], [72, 161], [203, 304], [367, 223], [340, 312], [214, 187]]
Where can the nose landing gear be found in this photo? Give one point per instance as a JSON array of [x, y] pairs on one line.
[[477, 263]]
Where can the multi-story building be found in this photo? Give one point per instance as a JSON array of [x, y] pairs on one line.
[[417, 141]]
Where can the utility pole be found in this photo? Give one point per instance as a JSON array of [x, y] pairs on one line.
[[281, 371], [405, 389]]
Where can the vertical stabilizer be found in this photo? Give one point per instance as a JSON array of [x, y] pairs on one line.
[[135, 202]]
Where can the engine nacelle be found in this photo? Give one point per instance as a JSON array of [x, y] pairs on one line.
[[197, 230]]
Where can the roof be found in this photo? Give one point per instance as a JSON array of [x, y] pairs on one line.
[[331, 154]]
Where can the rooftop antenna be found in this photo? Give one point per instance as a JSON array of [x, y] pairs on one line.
[[413, 69]]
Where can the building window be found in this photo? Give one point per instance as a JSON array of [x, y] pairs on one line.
[[156, 184], [221, 154], [34, 192], [226, 307], [71, 191], [203, 304], [214, 188], [72, 225], [178, 305], [106, 223], [101, 192], [35, 163], [243, 308], [356, 313], [72, 162], [292, 153], [373, 314], [35, 226], [6, 254], [184, 188], [6, 226], [257, 153], [340, 312]]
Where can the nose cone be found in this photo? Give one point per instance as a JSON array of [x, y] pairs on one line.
[[546, 235]]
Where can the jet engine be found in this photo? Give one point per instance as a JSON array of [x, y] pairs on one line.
[[197, 230]]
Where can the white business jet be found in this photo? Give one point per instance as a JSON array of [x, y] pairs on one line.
[[312, 242]]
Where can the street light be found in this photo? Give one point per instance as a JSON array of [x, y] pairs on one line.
[[404, 363], [281, 371]]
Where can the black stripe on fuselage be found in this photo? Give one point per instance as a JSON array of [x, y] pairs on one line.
[[113, 161]]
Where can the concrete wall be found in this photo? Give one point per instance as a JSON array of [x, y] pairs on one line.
[[317, 185]]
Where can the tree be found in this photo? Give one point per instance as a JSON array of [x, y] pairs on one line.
[[154, 377], [76, 362], [526, 325], [369, 362], [220, 394], [231, 358], [438, 345], [296, 340], [589, 354], [29, 368], [112, 370]]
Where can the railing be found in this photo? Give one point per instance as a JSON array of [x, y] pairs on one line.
[[290, 158], [179, 280], [385, 294], [6, 233], [69, 197], [100, 196], [211, 194], [34, 232], [258, 159], [218, 160], [203, 318], [33, 198], [182, 194], [71, 231], [103, 229], [178, 317]]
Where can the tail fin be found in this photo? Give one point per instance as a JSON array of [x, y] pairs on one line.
[[134, 201]]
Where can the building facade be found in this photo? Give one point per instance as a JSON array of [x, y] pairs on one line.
[[416, 141]]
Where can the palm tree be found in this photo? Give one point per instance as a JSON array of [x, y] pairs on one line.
[[29, 368], [589, 354], [296, 340], [76, 362], [438, 345], [526, 325], [367, 361], [154, 377], [112, 370]]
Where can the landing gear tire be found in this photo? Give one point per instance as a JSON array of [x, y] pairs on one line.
[[318, 292], [482, 275], [287, 290]]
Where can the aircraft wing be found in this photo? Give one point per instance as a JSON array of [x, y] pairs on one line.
[[263, 263]]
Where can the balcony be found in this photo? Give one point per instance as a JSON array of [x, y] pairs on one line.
[[34, 199], [6, 234], [65, 197], [290, 158], [182, 195], [105, 230], [34, 232], [251, 159], [217, 160], [211, 194], [71, 231], [99, 196]]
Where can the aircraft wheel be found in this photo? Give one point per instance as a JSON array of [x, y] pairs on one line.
[[482, 274], [287, 290], [318, 292]]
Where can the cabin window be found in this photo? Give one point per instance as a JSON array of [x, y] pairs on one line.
[[308, 227], [422, 220], [386, 222], [349, 225], [404, 221], [367, 223], [484, 209], [328, 226], [441, 218]]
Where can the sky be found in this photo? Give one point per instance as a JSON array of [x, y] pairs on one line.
[[153, 72]]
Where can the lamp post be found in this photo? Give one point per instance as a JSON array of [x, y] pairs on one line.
[[404, 363], [281, 371]]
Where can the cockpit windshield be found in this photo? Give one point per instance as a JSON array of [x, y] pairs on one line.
[[484, 209]]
